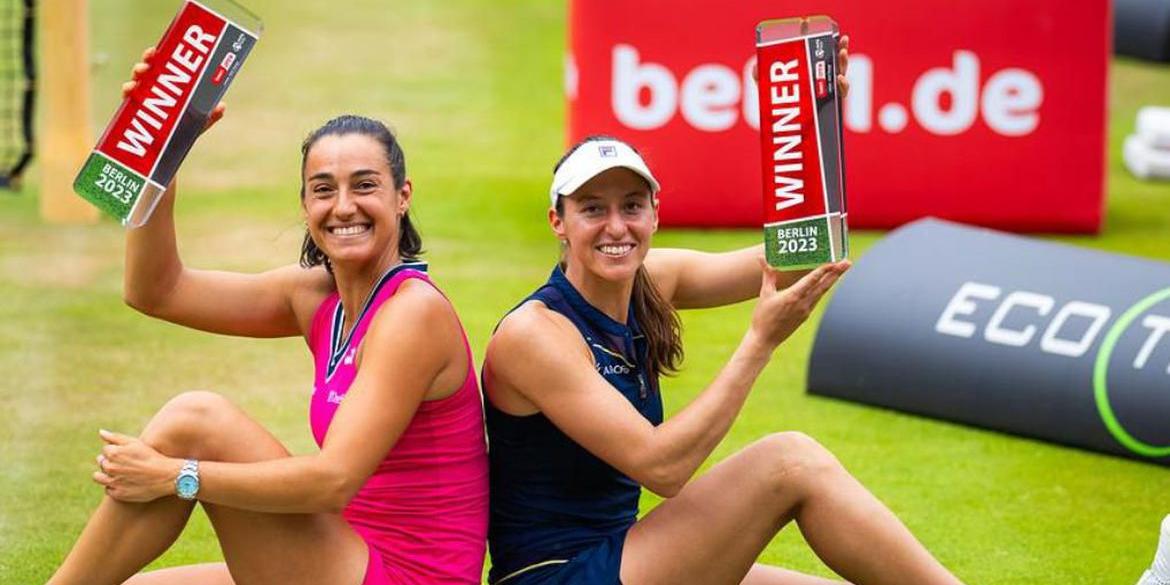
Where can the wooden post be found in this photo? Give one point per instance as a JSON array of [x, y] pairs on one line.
[[66, 138]]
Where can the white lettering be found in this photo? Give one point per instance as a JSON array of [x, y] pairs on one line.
[[135, 139], [858, 107], [572, 76], [961, 304], [961, 83], [781, 71], [157, 103], [1011, 100], [788, 190], [786, 134], [751, 96], [645, 95], [629, 78], [1158, 326], [997, 333], [1051, 343], [198, 39], [187, 58], [177, 76], [142, 115], [709, 95], [613, 369]]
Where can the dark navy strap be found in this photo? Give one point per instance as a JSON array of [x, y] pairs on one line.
[[337, 347]]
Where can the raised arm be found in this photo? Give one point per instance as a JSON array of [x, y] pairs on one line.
[[276, 303], [691, 279], [412, 338], [539, 354], [273, 304]]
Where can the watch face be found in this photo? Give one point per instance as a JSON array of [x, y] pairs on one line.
[[188, 485]]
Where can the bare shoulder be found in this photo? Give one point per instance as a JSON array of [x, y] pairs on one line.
[[416, 330], [533, 329], [530, 354], [664, 265], [315, 281], [415, 305], [306, 289]]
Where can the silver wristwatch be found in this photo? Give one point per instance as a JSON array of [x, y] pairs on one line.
[[187, 483]]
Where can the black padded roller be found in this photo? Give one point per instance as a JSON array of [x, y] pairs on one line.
[[1141, 28]]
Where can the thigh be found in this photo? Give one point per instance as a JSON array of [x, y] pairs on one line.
[[715, 528], [204, 574], [761, 574], [291, 549], [259, 547]]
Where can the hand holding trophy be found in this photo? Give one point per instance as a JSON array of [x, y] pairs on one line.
[[170, 101]]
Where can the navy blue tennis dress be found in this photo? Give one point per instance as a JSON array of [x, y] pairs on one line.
[[559, 515]]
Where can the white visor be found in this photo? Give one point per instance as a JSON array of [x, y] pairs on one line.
[[592, 159]]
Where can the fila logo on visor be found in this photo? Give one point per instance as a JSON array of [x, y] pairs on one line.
[[607, 151]]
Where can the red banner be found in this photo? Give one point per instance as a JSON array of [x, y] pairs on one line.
[[989, 112]]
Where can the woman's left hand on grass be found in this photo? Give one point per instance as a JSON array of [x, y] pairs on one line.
[[132, 471]]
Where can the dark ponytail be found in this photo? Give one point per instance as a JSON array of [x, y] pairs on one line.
[[660, 324], [409, 240], [657, 317]]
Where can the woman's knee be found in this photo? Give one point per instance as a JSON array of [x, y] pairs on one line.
[[792, 459], [181, 427]]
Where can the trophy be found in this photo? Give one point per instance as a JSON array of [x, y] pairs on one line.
[[156, 125], [801, 146]]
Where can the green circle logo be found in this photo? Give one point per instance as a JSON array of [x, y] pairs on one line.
[[1101, 370]]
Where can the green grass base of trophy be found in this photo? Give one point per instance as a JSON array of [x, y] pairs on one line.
[[808, 266], [804, 243], [97, 174], [107, 205]]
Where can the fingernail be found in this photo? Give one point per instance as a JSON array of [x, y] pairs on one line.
[[103, 432]]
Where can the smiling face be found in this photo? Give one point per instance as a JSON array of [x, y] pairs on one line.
[[606, 225], [352, 207]]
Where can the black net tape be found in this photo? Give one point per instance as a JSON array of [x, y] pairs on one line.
[[17, 85]]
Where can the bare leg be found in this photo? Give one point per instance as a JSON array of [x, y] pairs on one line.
[[204, 574], [127, 536], [716, 527], [767, 575], [121, 538]]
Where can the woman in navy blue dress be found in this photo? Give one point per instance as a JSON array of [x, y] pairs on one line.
[[576, 426]]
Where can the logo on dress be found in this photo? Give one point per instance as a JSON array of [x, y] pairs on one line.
[[334, 397], [348, 359], [612, 369]]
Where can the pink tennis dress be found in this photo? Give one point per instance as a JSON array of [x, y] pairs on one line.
[[424, 511]]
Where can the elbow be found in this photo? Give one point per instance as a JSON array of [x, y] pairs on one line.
[[337, 491], [666, 481], [140, 303], [146, 301], [662, 471], [149, 296], [665, 489]]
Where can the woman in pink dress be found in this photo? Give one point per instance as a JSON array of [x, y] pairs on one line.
[[397, 492]]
